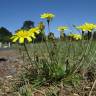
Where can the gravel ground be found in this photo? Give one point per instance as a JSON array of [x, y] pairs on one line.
[[9, 66]]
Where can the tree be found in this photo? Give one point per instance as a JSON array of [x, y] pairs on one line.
[[4, 35], [27, 25]]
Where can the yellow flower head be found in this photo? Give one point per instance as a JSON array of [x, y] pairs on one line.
[[47, 16], [87, 27], [41, 26], [71, 35], [62, 28], [75, 36], [21, 35], [34, 30]]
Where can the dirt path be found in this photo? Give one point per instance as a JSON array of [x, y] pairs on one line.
[[9, 66], [7, 53], [9, 62]]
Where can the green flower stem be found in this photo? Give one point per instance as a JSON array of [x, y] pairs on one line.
[[48, 21], [62, 35], [84, 54], [83, 35], [89, 35], [48, 51], [28, 54], [50, 55], [35, 56]]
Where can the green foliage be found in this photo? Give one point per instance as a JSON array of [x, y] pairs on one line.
[[56, 61], [4, 35], [25, 90], [27, 25], [73, 80]]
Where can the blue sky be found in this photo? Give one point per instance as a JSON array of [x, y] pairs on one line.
[[67, 12]]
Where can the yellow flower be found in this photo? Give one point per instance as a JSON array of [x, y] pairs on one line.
[[21, 35], [62, 28], [87, 27], [47, 16], [71, 35], [82, 27], [41, 26], [34, 30], [75, 36]]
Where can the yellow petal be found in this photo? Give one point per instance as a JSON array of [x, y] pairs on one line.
[[37, 32], [15, 39], [33, 35], [21, 40], [29, 39]]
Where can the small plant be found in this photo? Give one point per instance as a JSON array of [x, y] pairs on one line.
[[51, 62]]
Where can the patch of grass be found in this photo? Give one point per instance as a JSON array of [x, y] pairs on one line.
[[68, 61]]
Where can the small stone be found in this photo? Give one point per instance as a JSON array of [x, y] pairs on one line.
[[9, 77], [75, 94]]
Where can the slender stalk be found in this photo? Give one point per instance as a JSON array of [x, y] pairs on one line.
[[35, 59], [62, 35], [28, 54], [48, 51], [89, 35], [48, 21], [85, 53], [83, 35], [50, 54]]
